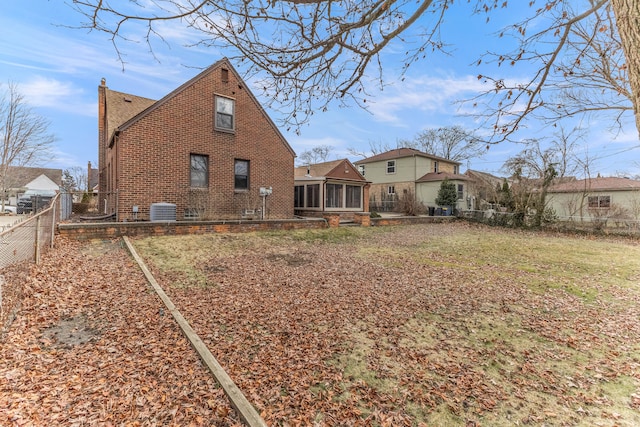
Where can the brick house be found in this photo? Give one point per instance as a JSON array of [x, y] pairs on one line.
[[401, 171], [207, 150], [333, 187]]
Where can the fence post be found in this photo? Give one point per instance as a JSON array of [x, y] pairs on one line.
[[36, 255], [53, 221]]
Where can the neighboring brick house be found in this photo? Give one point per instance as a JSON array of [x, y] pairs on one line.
[[335, 187], [206, 149], [407, 170]]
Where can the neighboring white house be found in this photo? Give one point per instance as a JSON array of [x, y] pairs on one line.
[[21, 179], [406, 170], [43, 183], [596, 198]]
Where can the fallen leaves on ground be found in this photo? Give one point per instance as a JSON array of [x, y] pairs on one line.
[[368, 328], [91, 346]]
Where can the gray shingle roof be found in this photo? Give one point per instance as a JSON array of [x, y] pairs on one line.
[[19, 176]]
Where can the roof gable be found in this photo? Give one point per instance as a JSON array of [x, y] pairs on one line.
[[336, 169], [153, 105], [42, 182], [20, 176]]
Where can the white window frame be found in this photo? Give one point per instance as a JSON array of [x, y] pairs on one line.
[[347, 193], [299, 196], [342, 194], [313, 196], [336, 197], [219, 113], [391, 167]]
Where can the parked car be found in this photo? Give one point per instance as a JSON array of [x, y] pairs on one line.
[[33, 202], [10, 210]]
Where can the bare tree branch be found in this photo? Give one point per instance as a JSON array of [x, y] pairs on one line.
[[24, 136], [308, 54], [451, 142], [581, 74]]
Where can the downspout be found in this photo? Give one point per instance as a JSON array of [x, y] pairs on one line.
[[415, 178], [116, 176]]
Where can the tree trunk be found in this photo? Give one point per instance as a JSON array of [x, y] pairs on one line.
[[627, 14]]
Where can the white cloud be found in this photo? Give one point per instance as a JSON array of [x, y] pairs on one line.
[[423, 94], [46, 92]]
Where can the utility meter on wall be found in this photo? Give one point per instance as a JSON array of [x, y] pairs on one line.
[[265, 191]]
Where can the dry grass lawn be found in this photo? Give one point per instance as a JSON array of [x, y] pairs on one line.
[[430, 325], [439, 325]]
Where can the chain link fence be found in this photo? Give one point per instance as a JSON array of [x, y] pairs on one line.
[[22, 244], [27, 239], [598, 225]]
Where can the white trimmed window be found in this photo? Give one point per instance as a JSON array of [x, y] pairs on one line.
[[313, 195], [353, 195], [391, 166], [298, 196], [225, 113], [333, 198]]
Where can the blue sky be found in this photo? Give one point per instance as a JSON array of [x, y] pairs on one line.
[[58, 69]]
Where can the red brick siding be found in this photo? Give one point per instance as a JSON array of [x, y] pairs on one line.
[[153, 154], [113, 230]]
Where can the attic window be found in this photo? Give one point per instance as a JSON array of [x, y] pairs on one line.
[[127, 99], [225, 114], [224, 75]]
